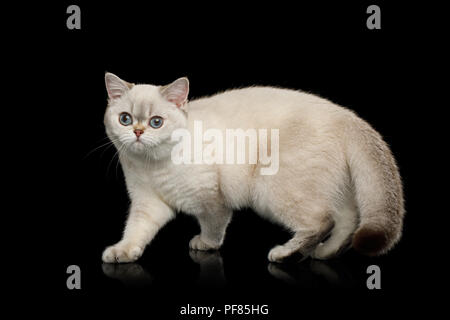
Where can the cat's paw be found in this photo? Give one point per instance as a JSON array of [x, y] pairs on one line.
[[279, 253], [197, 243], [322, 252], [326, 251], [122, 252], [285, 254]]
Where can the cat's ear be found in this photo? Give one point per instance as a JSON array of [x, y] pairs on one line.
[[115, 86], [176, 92]]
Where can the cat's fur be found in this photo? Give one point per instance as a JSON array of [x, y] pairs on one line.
[[336, 175]]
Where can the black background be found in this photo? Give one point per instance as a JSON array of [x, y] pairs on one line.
[[324, 49]]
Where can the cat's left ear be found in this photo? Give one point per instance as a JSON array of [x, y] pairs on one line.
[[177, 92], [115, 86]]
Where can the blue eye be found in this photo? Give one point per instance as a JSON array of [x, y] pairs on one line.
[[125, 119], [156, 122]]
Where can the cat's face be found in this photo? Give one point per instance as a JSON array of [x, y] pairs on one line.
[[140, 119]]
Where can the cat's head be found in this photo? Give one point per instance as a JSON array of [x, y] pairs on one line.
[[140, 119]]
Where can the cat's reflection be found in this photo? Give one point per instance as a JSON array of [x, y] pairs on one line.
[[305, 274], [134, 275], [211, 268], [130, 274], [310, 274]]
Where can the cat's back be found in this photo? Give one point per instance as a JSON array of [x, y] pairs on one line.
[[253, 97], [257, 105]]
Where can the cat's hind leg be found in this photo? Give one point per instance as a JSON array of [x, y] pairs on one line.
[[309, 231], [337, 243], [213, 224], [346, 222]]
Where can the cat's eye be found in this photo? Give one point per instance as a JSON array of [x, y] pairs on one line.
[[156, 122], [125, 119]]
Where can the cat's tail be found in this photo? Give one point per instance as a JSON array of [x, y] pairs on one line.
[[378, 190]]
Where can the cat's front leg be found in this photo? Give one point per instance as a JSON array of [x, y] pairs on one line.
[[147, 216], [213, 225]]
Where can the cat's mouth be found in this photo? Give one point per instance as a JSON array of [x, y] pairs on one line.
[[138, 145]]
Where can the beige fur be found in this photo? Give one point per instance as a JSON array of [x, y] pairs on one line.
[[336, 175]]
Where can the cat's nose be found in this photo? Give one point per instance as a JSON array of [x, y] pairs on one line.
[[138, 132]]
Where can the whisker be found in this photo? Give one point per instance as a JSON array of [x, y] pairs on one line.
[[118, 159], [111, 142], [115, 154], [104, 150]]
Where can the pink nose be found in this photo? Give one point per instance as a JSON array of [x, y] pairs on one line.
[[138, 132]]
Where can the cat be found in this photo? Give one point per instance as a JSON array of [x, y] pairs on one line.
[[338, 185]]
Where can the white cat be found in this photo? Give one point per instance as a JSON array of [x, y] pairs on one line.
[[336, 176]]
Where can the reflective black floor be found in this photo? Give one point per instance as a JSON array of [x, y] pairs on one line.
[[240, 266], [211, 272]]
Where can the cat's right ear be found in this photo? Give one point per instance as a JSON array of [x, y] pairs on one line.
[[177, 92], [115, 86]]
